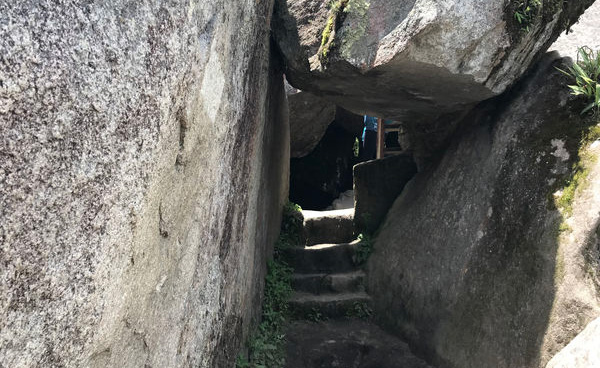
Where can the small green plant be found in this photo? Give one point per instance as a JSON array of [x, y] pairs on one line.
[[360, 310], [364, 249], [526, 11], [266, 347], [586, 73], [291, 227], [315, 315], [242, 362], [356, 148]]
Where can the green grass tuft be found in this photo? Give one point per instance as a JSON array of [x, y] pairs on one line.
[[586, 74], [364, 249], [266, 347], [360, 310], [526, 12], [291, 234]]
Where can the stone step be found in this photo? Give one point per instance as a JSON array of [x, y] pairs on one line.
[[328, 226], [346, 343], [322, 258], [330, 306], [322, 283]]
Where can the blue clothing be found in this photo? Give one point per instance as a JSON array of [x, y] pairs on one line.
[[370, 123]]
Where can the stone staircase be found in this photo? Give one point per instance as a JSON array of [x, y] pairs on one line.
[[327, 283], [329, 288]]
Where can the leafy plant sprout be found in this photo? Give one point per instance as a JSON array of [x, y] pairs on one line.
[[586, 73], [266, 347], [526, 12], [360, 310], [364, 249]]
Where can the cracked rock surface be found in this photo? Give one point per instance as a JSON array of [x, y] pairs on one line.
[[416, 59]]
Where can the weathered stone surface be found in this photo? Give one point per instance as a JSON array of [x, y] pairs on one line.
[[352, 343], [309, 118], [584, 33], [413, 60], [328, 227], [322, 258], [582, 352], [377, 184], [142, 173], [474, 263]]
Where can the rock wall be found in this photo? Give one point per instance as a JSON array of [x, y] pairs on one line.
[[377, 183], [144, 150], [482, 260]]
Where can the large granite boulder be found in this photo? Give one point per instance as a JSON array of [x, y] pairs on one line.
[[309, 118], [137, 142], [582, 352], [413, 60], [490, 257]]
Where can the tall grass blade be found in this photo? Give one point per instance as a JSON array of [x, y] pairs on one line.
[[588, 108]]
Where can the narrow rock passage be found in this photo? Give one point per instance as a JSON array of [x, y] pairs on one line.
[[330, 305]]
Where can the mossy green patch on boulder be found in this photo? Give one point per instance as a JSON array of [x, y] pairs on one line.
[[356, 28]]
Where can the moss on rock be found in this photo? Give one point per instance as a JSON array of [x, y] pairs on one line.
[[336, 15], [358, 11], [579, 172]]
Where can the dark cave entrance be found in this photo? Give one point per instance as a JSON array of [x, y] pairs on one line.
[[326, 173]]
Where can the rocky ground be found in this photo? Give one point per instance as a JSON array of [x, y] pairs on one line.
[[346, 343]]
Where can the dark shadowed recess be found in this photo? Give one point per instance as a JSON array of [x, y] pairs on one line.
[[319, 178]]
